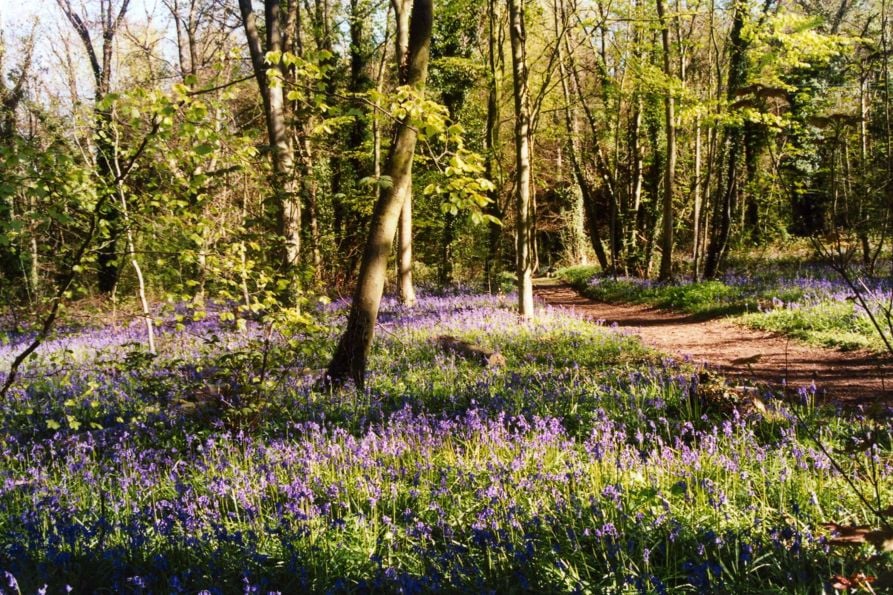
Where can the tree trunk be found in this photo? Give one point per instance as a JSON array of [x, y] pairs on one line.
[[666, 242], [728, 180], [586, 191], [349, 360], [636, 182], [696, 214], [288, 206], [446, 250], [750, 212], [491, 145], [523, 262], [862, 221], [301, 127], [402, 11], [404, 269], [648, 213]]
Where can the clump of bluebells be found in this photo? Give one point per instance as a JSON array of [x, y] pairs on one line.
[[585, 464]]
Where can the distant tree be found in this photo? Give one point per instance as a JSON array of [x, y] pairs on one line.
[[666, 243], [101, 62], [403, 11], [11, 97]]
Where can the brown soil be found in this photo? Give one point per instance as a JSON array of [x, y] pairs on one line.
[[746, 355]]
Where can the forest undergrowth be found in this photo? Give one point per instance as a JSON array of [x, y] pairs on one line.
[[586, 463]]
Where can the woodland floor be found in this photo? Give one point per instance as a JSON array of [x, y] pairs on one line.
[[745, 355]]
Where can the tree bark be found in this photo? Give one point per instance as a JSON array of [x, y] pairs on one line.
[[586, 191], [402, 11], [666, 242], [523, 231], [696, 215], [727, 187], [288, 207], [491, 146], [352, 352], [446, 250], [404, 243]]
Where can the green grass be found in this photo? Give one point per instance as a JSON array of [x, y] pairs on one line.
[[587, 463], [829, 324], [765, 301], [706, 298]]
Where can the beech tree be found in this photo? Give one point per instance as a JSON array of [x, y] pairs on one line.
[[270, 74], [666, 244], [352, 352], [523, 225], [403, 11]]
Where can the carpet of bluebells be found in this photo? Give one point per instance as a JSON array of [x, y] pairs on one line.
[[806, 301], [586, 464]]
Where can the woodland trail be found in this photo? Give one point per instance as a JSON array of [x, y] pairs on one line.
[[748, 355]]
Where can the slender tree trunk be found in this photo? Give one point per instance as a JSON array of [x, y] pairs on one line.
[[402, 10], [300, 132], [696, 214], [349, 360], [666, 243], [888, 131], [101, 66], [861, 218], [523, 262], [446, 250], [311, 192], [131, 254], [243, 248], [288, 206], [750, 212], [404, 243], [727, 186], [140, 281], [637, 180], [34, 268], [649, 211], [586, 190], [379, 86], [491, 146]]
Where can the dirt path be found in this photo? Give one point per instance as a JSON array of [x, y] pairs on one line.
[[747, 354]]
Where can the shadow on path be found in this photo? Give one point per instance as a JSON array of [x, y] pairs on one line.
[[749, 355]]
